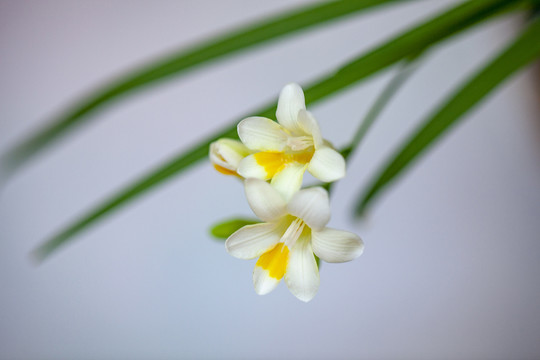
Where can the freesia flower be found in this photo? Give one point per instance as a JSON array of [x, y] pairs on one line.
[[286, 242], [226, 154], [283, 151]]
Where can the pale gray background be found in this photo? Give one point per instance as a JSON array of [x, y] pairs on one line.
[[451, 266]]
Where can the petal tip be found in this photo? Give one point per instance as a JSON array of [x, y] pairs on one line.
[[291, 101], [292, 86], [327, 165], [262, 283], [336, 246], [305, 297]]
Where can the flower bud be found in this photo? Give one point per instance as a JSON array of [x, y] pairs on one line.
[[226, 154]]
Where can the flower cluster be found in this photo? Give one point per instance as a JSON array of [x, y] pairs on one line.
[[272, 157]]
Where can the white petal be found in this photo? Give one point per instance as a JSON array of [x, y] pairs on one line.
[[291, 100], [327, 164], [270, 268], [251, 241], [302, 276], [310, 126], [289, 180], [228, 153], [263, 282], [312, 206], [265, 201], [262, 134], [250, 168], [336, 246]]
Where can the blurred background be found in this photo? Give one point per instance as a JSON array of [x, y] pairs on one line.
[[450, 268]]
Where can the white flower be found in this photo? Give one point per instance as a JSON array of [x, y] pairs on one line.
[[285, 243], [284, 150], [226, 154]]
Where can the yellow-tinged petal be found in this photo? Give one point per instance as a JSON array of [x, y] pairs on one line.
[[302, 158], [270, 268], [224, 171], [275, 261], [250, 168], [289, 180], [226, 154], [272, 162], [267, 164]]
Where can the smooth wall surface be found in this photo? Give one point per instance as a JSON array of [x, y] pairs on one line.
[[451, 264]]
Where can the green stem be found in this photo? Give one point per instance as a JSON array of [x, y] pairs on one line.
[[403, 73]]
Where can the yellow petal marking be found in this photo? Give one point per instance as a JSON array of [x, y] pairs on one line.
[[273, 162], [303, 157], [275, 261], [225, 171]]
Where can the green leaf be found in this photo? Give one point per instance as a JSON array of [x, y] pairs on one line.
[[224, 229], [403, 73], [521, 52], [380, 103], [178, 62], [409, 43]]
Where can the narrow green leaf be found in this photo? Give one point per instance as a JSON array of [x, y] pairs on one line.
[[224, 229], [521, 52], [403, 73], [409, 43], [176, 63]]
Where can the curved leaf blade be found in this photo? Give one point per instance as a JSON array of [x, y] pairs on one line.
[[521, 52], [409, 43], [175, 64]]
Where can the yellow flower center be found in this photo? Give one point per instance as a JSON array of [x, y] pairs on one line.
[[273, 162]]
